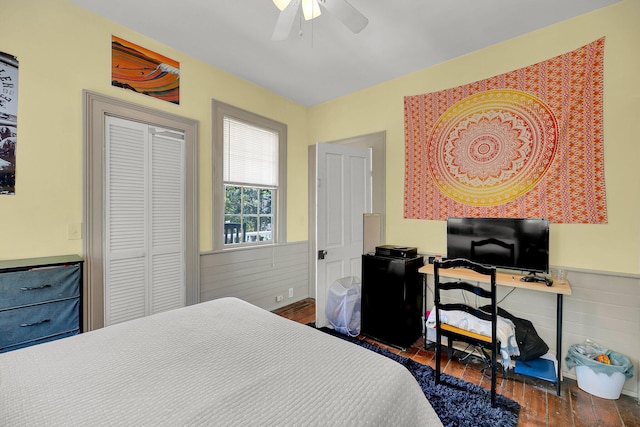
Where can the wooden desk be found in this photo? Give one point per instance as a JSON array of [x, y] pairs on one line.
[[513, 280]]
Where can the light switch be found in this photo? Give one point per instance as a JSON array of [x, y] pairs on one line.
[[74, 231]]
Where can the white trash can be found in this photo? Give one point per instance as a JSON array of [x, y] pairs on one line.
[[604, 380], [600, 384]]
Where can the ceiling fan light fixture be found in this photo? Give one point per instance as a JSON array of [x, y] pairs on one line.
[[281, 4], [310, 9], [290, 9]]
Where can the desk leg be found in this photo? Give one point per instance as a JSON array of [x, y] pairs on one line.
[[559, 343], [424, 309]]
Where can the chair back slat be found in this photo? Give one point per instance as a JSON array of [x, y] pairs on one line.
[[480, 314], [465, 286]]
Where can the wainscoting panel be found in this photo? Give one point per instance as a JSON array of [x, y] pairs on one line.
[[257, 274], [605, 307]]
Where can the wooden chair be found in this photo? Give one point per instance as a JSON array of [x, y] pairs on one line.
[[485, 295]]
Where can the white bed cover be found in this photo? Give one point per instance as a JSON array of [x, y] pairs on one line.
[[223, 362]]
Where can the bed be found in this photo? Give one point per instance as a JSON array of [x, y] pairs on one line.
[[222, 362]]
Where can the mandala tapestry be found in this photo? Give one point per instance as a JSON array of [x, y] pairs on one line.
[[527, 143]]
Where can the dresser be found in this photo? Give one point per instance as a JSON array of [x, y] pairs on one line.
[[40, 300]]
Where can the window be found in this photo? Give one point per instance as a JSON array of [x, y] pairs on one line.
[[249, 178]]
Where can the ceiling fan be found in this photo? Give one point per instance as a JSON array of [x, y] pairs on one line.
[[342, 10]]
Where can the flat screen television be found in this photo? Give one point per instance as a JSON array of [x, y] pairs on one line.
[[510, 243]]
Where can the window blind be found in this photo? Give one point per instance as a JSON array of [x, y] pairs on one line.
[[250, 154]]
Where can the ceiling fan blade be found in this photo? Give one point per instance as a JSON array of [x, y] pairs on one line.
[[285, 21], [346, 13]]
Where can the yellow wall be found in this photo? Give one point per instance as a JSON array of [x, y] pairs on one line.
[[64, 49], [610, 247]]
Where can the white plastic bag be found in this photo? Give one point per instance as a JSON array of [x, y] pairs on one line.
[[343, 306]]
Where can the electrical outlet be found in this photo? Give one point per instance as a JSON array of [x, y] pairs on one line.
[[279, 298], [290, 292]]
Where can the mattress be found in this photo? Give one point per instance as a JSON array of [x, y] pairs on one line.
[[222, 362]]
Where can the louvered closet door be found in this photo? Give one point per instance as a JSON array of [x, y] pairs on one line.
[[144, 224], [167, 220]]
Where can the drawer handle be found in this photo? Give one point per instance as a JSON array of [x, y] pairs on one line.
[[35, 323], [34, 288]]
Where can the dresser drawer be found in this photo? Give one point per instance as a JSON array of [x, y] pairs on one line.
[[34, 286], [38, 322], [38, 341]]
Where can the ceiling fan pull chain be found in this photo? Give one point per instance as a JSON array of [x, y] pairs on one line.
[[312, 21], [300, 33]]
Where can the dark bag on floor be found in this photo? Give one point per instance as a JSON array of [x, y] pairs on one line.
[[530, 344]]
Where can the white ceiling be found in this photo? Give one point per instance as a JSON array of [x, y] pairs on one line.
[[322, 59]]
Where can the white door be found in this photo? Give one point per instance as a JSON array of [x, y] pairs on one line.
[[343, 195], [144, 269]]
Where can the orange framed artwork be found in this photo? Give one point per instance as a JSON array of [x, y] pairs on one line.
[[144, 71]]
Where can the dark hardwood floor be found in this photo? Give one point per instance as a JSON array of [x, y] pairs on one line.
[[540, 404]]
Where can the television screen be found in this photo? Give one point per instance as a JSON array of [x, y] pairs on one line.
[[510, 243]]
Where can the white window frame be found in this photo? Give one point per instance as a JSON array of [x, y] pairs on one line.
[[220, 110]]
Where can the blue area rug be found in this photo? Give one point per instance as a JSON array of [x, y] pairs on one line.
[[458, 403]]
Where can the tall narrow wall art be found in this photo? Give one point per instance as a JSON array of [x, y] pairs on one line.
[[527, 143], [8, 122]]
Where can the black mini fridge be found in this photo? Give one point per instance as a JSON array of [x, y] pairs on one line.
[[392, 299]]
